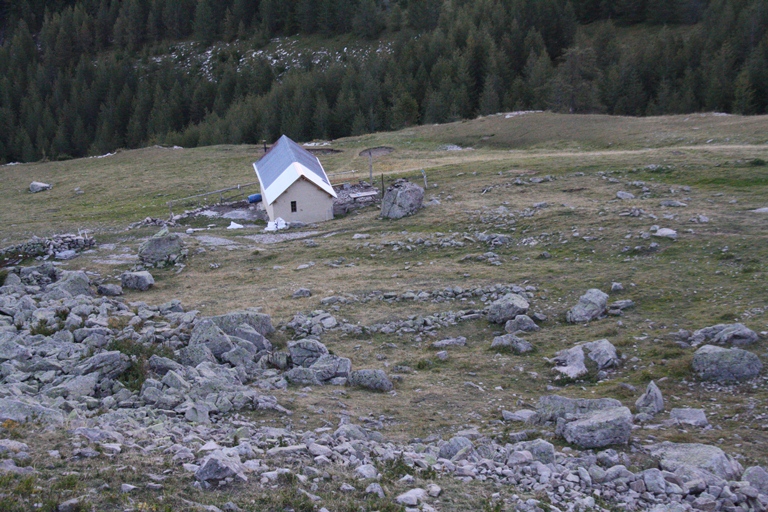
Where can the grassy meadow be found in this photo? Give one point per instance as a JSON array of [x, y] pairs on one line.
[[715, 272]]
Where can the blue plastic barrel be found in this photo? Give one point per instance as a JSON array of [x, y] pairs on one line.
[[254, 198]]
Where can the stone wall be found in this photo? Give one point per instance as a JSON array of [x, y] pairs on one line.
[[35, 247]]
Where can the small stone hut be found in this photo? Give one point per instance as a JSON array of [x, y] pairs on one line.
[[294, 185]]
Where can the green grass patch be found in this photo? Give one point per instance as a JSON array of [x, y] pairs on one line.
[[133, 378]]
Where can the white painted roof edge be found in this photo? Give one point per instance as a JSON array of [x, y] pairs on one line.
[[287, 178]]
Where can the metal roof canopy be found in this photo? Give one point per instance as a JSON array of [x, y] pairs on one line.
[[285, 163]]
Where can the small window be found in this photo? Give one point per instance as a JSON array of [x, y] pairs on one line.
[[293, 206]]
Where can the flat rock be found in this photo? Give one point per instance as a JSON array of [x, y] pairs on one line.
[[709, 458], [522, 415], [21, 412], [666, 233], [230, 322], [692, 417], [460, 341], [737, 335], [624, 195], [552, 407], [591, 305], [412, 498], [599, 429], [512, 343]]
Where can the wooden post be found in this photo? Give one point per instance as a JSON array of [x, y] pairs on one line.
[[425, 179], [382, 187], [370, 166]]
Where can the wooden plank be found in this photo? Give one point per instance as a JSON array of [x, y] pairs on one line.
[[358, 195]]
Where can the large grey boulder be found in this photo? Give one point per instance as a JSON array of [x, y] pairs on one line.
[[552, 407], [599, 429], [454, 446], [719, 364], [570, 362], [603, 353], [375, 380], [162, 365], [164, 248], [692, 417], [10, 350], [401, 199], [651, 402], [306, 352], [591, 305], [108, 365], [39, 186], [141, 281], [737, 335], [110, 290], [193, 355], [674, 456], [21, 412], [72, 282], [302, 376], [230, 322], [512, 343], [75, 387], [350, 431], [522, 323], [507, 308], [542, 450], [329, 367], [218, 466], [757, 477], [207, 333], [248, 333]]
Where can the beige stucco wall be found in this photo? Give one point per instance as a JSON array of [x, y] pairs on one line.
[[312, 203]]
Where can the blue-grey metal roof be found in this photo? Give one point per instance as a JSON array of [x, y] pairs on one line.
[[282, 155]]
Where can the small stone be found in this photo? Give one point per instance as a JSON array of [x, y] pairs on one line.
[[110, 290], [376, 489], [126, 488], [302, 292], [366, 471], [412, 498]]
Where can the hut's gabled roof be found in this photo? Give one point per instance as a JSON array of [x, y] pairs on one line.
[[285, 163]]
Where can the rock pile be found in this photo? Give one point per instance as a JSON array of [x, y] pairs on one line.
[[65, 246]]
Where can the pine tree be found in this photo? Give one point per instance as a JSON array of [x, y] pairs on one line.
[[366, 22], [206, 24], [744, 94]]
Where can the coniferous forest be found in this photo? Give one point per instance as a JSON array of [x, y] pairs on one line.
[[86, 77]]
